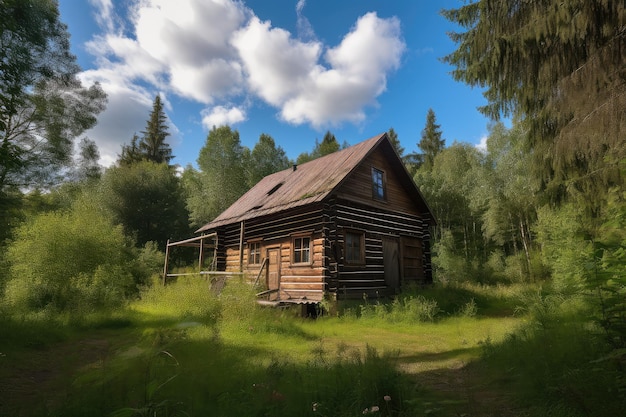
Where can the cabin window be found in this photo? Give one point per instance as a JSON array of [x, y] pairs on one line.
[[354, 247], [378, 184], [301, 250], [254, 253]]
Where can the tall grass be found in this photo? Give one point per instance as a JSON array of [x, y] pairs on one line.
[[184, 350], [223, 355], [560, 361]]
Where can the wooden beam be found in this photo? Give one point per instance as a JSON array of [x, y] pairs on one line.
[[265, 262], [201, 255], [167, 256], [241, 235], [193, 239]]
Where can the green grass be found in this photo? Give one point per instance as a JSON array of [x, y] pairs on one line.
[[182, 350]]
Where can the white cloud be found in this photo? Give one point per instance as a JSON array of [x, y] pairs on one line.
[[104, 16], [482, 145], [218, 53], [277, 66], [221, 116], [358, 74], [286, 72], [305, 29]]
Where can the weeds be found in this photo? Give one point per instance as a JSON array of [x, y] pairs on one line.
[[187, 351]]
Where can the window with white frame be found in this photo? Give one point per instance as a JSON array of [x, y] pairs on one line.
[[254, 253], [301, 250]]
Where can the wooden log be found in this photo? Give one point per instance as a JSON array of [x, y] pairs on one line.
[[167, 256]]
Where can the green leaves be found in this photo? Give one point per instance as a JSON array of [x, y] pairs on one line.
[[147, 199], [222, 176], [559, 66], [68, 260], [43, 105]]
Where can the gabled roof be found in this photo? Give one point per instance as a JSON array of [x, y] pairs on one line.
[[304, 184]]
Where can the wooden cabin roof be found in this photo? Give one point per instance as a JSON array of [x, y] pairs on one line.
[[310, 183]]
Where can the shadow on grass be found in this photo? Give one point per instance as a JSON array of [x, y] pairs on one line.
[[208, 377], [464, 353]]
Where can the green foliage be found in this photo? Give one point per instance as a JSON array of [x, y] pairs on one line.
[[221, 179], [43, 105], [87, 167], [327, 146], [557, 362], [153, 145], [407, 308], [609, 278], [567, 249], [187, 299], [147, 199], [73, 260], [265, 159], [431, 142], [559, 66]]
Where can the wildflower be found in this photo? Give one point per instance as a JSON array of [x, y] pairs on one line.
[[315, 405], [366, 411], [387, 398], [374, 409]]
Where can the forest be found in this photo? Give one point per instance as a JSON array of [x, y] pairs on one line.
[[529, 250]]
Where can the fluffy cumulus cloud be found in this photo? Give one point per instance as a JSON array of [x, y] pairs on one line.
[[221, 116], [357, 75], [220, 55]]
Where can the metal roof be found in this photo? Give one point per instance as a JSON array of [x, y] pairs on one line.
[[299, 186]]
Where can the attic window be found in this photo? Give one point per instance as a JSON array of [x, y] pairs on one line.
[[378, 184], [276, 187]]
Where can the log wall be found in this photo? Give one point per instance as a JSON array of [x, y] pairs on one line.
[[355, 281], [394, 220], [298, 281]]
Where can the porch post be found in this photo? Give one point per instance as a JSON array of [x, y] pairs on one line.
[[167, 256], [241, 235]]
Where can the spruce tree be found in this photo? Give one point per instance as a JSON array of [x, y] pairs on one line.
[[130, 153], [431, 143], [393, 138], [153, 146], [559, 66]]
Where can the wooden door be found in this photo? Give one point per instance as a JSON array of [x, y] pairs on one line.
[[273, 272], [391, 262], [412, 260]]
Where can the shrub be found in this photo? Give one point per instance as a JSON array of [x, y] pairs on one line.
[[69, 260]]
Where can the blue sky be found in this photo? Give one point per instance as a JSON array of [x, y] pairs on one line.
[[291, 69]]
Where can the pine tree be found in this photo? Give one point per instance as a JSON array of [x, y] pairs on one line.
[[393, 138], [328, 145], [559, 66], [152, 146], [431, 143], [130, 153]]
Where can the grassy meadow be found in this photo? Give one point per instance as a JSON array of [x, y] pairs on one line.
[[181, 350]]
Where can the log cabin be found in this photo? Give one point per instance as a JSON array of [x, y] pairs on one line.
[[346, 225]]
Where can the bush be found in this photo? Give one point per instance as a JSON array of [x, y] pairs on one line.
[[69, 261]]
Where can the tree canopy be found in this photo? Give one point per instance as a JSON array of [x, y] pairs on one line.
[[431, 143], [147, 199], [152, 145], [560, 66], [221, 179], [265, 159], [327, 146], [43, 106]]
